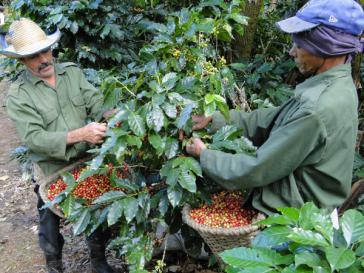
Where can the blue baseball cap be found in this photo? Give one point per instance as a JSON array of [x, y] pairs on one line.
[[344, 15]]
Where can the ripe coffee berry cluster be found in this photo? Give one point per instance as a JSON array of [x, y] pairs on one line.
[[89, 188], [225, 211]]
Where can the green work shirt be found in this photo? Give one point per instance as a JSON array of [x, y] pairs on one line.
[[305, 147], [44, 115]]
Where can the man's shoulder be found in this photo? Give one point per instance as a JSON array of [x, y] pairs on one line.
[[16, 86], [67, 64], [69, 68]]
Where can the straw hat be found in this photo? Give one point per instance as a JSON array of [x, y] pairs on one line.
[[26, 38]]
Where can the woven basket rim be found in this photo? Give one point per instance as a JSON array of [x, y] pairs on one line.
[[220, 231], [46, 181]]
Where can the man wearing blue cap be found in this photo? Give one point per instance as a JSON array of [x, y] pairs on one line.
[[305, 146]]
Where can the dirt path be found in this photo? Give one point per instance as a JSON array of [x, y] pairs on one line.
[[19, 250]]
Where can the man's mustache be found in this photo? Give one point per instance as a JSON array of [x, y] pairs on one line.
[[44, 65]]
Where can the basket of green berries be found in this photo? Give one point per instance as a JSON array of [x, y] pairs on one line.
[[224, 223]]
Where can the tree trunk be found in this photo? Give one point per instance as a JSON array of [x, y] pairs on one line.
[[244, 43]]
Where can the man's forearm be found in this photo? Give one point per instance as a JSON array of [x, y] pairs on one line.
[[75, 136]]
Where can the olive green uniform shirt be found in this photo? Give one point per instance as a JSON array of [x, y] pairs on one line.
[[305, 147], [44, 115]]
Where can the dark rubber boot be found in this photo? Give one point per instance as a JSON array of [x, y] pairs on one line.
[[54, 264], [96, 246]]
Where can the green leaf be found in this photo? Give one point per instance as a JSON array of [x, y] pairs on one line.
[[184, 116], [339, 258], [115, 212], [105, 31], [154, 85], [69, 179], [308, 258], [174, 196], [169, 80], [307, 237], [206, 25], [360, 249], [97, 161], [307, 210], [238, 66], [240, 19], [172, 177], [120, 146], [157, 142], [224, 109], [155, 119], [323, 224], [352, 223], [187, 180], [172, 148], [243, 257], [121, 115], [193, 165], [134, 141], [291, 213], [163, 205], [156, 26], [276, 219], [131, 208], [68, 205], [74, 27], [136, 124], [82, 221], [272, 236], [258, 269], [209, 98], [226, 132], [170, 110], [210, 109], [320, 269], [109, 197]]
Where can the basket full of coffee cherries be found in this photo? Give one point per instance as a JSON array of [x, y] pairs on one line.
[[224, 223], [87, 189]]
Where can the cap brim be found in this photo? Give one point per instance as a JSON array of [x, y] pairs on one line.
[[295, 25], [35, 48]]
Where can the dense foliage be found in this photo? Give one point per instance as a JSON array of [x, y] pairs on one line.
[[163, 61], [179, 73], [303, 240]]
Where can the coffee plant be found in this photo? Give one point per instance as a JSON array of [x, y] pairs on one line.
[[303, 240], [178, 74]]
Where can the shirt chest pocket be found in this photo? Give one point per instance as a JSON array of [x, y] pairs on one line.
[[80, 106], [50, 117]]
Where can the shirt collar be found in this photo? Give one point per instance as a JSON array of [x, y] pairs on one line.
[[329, 75], [35, 80]]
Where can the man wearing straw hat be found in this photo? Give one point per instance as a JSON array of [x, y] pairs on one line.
[[305, 146], [49, 104]]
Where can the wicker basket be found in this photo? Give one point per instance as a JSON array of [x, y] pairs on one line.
[[45, 182], [220, 239]]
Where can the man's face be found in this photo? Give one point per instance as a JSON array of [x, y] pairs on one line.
[[306, 62], [40, 64]]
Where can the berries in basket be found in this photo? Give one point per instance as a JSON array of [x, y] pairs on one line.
[[224, 224], [82, 183]]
